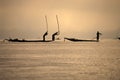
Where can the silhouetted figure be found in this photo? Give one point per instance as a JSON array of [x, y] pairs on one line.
[[53, 36], [45, 35], [98, 35]]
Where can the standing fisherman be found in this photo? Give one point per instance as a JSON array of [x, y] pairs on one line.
[[98, 35], [45, 35]]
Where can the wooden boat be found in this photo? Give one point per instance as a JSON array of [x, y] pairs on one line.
[[45, 34], [80, 40], [17, 40], [85, 40]]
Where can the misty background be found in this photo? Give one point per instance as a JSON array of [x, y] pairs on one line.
[[77, 18]]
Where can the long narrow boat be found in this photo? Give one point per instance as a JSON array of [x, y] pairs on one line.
[[17, 40], [85, 40], [45, 34], [80, 40]]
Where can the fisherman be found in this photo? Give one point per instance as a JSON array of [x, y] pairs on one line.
[[45, 35], [98, 35], [53, 36]]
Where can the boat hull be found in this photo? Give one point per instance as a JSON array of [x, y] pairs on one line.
[[80, 40], [29, 41]]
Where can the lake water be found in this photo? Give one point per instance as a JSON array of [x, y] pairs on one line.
[[60, 60]]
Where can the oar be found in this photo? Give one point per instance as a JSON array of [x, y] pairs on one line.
[[58, 24], [46, 23]]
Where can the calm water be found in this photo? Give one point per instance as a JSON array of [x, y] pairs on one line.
[[60, 61]]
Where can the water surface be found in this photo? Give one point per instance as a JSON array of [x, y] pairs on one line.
[[60, 61]]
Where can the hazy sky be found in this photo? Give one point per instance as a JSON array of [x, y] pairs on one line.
[[78, 18]]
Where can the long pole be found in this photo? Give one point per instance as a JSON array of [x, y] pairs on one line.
[[46, 23], [58, 24]]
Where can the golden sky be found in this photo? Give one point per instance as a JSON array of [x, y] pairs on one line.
[[77, 18]]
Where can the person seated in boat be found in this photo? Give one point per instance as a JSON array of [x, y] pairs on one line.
[[98, 35]]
